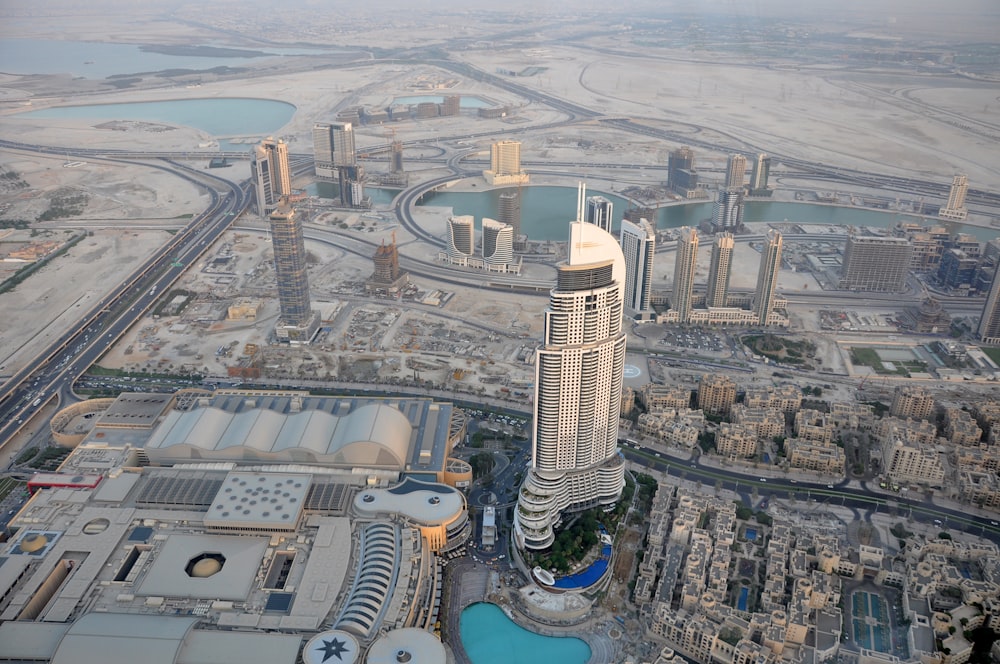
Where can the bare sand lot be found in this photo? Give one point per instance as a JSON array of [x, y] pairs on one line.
[[57, 296], [883, 121]]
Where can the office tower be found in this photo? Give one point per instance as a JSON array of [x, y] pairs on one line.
[[635, 214], [878, 264], [767, 277], [718, 271], [451, 105], [396, 157], [728, 212], [716, 394], [957, 270], [498, 245], [599, 212], [684, 265], [638, 246], [333, 146], [681, 175], [579, 370], [271, 175], [989, 321], [736, 168], [297, 321], [955, 209], [509, 210], [505, 164], [759, 174], [461, 239], [352, 186]]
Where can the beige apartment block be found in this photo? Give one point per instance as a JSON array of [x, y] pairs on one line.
[[961, 428], [786, 398], [811, 425], [911, 402], [768, 422], [716, 394], [657, 398], [736, 440], [807, 455], [905, 462]]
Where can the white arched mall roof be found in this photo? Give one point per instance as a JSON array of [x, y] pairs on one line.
[[373, 435]]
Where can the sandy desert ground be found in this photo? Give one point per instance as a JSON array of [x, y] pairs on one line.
[[882, 121]]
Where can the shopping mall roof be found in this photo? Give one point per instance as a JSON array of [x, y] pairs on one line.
[[423, 502], [373, 435]]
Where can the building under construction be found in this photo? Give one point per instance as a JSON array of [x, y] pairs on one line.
[[387, 275]]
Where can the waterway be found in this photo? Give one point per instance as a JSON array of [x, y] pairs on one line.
[[95, 60], [332, 190], [546, 210], [230, 116], [490, 637]]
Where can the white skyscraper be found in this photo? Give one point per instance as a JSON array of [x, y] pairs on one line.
[[333, 146], [728, 211], [767, 276], [271, 175], [461, 239], [498, 244], [687, 259], [578, 388], [736, 168], [599, 211], [719, 269], [638, 245]]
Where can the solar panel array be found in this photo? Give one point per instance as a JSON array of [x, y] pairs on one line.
[[331, 498], [179, 492], [279, 602]]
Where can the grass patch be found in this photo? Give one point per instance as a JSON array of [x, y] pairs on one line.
[[867, 357], [50, 458], [779, 348], [992, 352]]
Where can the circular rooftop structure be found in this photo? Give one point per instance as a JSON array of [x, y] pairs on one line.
[[407, 646], [33, 542], [332, 646]]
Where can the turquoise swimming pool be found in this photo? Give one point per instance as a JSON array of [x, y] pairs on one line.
[[490, 637]]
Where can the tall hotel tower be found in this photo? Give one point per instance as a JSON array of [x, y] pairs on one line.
[[271, 175], [297, 322], [687, 259], [638, 242], [767, 276], [989, 322], [498, 245], [599, 211], [955, 209], [736, 168], [718, 271], [461, 239], [505, 164], [333, 146], [579, 369]]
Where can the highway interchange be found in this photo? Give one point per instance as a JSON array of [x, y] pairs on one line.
[[51, 373]]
